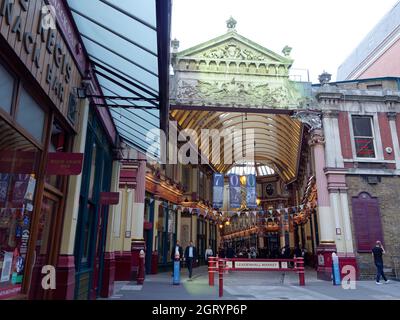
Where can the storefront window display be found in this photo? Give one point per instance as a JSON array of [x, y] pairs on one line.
[[18, 172], [166, 235]]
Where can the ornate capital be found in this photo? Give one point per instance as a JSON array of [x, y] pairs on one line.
[[317, 137], [391, 115], [331, 114], [310, 118]]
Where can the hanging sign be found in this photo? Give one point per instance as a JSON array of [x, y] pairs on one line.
[[251, 195], [109, 198], [64, 164], [218, 190], [235, 195]]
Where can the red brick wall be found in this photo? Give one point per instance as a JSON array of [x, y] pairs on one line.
[[344, 132], [386, 135]]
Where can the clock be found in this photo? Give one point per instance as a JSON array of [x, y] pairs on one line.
[[269, 189]]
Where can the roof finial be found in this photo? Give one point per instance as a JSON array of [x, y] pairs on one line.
[[231, 24]]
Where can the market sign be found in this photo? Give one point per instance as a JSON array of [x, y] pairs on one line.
[[256, 265], [64, 164], [30, 28], [109, 198]]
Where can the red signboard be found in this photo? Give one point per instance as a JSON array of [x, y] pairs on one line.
[[147, 225], [18, 162], [64, 164], [109, 198]]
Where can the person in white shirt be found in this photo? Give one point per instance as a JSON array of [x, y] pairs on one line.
[[209, 253]]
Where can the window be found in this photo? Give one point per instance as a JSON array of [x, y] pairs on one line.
[[30, 116], [6, 90], [363, 137]]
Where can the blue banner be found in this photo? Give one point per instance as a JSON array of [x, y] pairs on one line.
[[218, 191], [235, 194], [251, 195]]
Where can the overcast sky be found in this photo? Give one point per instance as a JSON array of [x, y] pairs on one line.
[[322, 33]]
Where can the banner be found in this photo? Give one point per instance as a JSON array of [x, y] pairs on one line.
[[235, 194], [251, 195], [218, 190]]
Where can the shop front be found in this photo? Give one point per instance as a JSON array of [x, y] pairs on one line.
[[38, 121], [166, 234], [93, 217]]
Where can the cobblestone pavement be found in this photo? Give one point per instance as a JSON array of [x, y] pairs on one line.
[[251, 286]]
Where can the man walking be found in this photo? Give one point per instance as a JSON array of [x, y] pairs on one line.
[[377, 253], [190, 256]]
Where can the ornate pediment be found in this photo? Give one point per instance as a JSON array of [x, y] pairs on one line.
[[233, 92], [229, 48], [234, 50]]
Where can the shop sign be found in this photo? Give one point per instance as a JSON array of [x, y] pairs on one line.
[[109, 198], [147, 225], [256, 265], [64, 164], [32, 45], [19, 162]]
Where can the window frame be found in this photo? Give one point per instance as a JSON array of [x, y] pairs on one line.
[[376, 137]]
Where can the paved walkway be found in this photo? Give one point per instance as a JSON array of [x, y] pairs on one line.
[[251, 286]]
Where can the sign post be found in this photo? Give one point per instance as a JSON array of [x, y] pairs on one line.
[[335, 270], [177, 275]]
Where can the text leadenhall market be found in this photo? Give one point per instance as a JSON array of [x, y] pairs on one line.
[[31, 43]]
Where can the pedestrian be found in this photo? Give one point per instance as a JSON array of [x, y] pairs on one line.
[[221, 252], [190, 256], [209, 253], [177, 251], [297, 252], [230, 253], [377, 252]]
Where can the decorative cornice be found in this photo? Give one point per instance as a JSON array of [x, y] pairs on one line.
[[391, 116], [311, 118]]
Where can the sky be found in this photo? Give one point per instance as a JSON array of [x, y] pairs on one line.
[[322, 33]]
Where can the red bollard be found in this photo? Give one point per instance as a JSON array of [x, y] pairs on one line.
[[211, 270], [221, 278], [140, 276], [300, 269]]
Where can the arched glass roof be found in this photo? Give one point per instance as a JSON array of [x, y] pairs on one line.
[[246, 168]]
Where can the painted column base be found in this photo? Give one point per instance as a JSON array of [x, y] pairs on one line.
[[345, 260], [123, 266], [36, 291], [137, 245], [324, 259], [107, 288], [65, 278]]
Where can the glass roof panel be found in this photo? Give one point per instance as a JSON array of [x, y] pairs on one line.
[[246, 168], [120, 37]]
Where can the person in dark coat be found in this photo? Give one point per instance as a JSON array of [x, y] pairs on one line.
[[230, 253], [190, 256], [297, 252], [177, 250]]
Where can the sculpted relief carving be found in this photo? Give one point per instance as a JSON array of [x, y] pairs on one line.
[[234, 51], [235, 92]]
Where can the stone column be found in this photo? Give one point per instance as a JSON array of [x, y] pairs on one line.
[[66, 262], [138, 214], [336, 175], [393, 130], [109, 255], [325, 217]]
